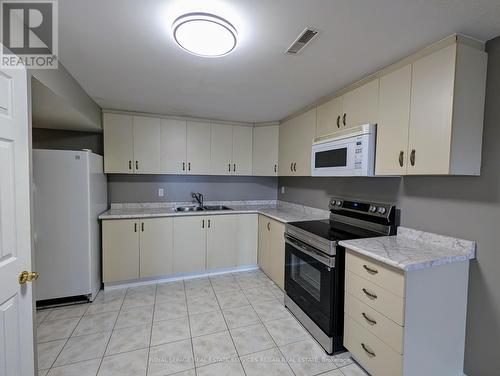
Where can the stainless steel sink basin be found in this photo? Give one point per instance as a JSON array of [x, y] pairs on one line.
[[188, 208], [216, 207], [201, 208]]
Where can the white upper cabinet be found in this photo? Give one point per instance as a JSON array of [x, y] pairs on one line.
[[173, 146], [447, 110], [295, 144], [149, 145], [394, 121], [431, 113], [118, 143], [265, 150], [231, 150], [329, 117], [221, 154], [146, 145], [360, 106], [242, 150], [198, 148]]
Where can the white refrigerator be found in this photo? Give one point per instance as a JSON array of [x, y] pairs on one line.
[[70, 191]]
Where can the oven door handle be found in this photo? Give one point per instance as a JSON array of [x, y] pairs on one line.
[[317, 255]]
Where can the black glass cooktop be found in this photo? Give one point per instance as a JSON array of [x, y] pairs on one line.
[[333, 231]]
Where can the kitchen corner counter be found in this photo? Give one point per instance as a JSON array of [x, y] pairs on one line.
[[279, 210], [413, 250]]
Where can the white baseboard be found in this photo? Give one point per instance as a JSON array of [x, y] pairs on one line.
[[177, 277]]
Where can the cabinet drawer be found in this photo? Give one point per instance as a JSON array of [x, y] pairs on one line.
[[386, 277], [386, 330], [383, 361], [376, 297]]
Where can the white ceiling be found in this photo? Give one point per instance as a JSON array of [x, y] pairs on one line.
[[122, 54]]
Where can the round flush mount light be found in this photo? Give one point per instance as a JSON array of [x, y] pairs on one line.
[[204, 34]]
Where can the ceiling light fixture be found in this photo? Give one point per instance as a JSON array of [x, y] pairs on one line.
[[204, 34]]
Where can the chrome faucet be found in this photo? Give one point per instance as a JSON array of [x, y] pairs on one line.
[[198, 197]]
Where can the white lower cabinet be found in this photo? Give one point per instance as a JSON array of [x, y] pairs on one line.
[[231, 240], [120, 250], [405, 323], [154, 247], [190, 241], [272, 249], [221, 241], [136, 248], [247, 239]]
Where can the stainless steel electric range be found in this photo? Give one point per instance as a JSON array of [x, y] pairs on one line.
[[314, 264]]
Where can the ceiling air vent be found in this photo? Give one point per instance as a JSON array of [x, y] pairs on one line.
[[302, 40]]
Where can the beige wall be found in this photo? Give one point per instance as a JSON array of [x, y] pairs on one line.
[[466, 207]]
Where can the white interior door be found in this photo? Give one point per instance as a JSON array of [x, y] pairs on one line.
[[16, 304]]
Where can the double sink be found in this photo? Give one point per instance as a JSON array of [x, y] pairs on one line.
[[201, 208]]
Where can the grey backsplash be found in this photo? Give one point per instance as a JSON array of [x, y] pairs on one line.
[[144, 188], [459, 206]]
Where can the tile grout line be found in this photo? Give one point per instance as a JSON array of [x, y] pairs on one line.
[[109, 340], [151, 329], [227, 326], [189, 324], [65, 343]]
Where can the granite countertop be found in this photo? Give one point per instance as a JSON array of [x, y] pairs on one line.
[[413, 250], [279, 210]]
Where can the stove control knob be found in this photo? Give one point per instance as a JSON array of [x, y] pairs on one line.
[[373, 209], [381, 210], [338, 203]]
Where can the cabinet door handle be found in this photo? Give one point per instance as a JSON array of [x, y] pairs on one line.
[[268, 226], [202, 223], [344, 119], [369, 294], [401, 158], [189, 166], [142, 226], [275, 168], [338, 121], [135, 227], [371, 353], [412, 157], [371, 321], [370, 270], [234, 167], [295, 166], [137, 165], [229, 167], [130, 165], [209, 223], [183, 166]]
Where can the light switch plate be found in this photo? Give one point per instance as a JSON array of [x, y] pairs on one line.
[[283, 189], [161, 192]]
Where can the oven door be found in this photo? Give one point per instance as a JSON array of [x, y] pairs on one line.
[[309, 282]]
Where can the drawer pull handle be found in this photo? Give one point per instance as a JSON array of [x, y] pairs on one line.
[[370, 353], [369, 294], [370, 270], [371, 321]]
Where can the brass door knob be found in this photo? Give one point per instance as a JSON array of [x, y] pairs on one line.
[[26, 276]]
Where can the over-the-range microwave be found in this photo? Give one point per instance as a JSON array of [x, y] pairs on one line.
[[348, 152]]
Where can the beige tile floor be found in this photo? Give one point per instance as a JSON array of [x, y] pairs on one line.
[[232, 324]]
